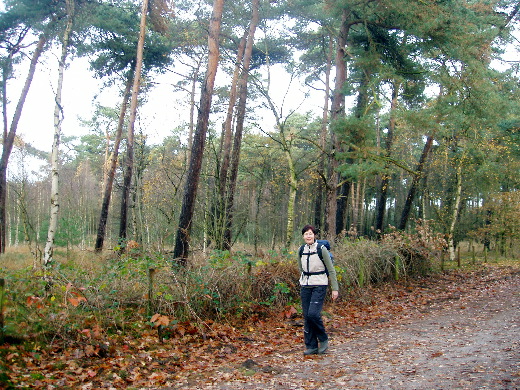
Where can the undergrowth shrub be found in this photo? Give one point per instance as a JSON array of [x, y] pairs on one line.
[[276, 283], [237, 286], [362, 262], [87, 298], [418, 250]]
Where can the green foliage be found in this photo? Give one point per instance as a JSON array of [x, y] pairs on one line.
[[220, 258], [269, 51], [70, 232], [26, 12], [82, 296], [110, 37]]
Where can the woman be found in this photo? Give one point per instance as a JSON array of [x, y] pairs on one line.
[[314, 280]]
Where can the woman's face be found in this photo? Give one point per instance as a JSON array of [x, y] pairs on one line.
[[308, 237]]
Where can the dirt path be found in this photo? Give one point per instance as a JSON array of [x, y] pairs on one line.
[[466, 341]]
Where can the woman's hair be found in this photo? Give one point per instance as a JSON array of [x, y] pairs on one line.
[[307, 228]]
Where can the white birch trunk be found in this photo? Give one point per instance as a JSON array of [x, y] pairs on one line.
[[58, 119]]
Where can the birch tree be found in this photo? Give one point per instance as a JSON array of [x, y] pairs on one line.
[[58, 119], [455, 211]]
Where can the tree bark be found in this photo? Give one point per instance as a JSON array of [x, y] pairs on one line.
[[318, 205], [338, 112], [455, 214], [58, 119], [8, 139], [194, 79], [182, 240], [219, 216], [385, 179], [239, 130], [109, 183], [415, 182], [341, 208], [129, 161]]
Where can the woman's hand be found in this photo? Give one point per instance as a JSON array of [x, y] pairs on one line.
[[335, 295]]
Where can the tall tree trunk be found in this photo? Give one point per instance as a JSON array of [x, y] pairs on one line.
[[219, 215], [385, 177], [341, 206], [318, 205], [258, 200], [182, 240], [338, 112], [138, 220], [129, 161], [360, 111], [8, 139], [415, 182], [228, 124], [58, 119], [455, 213], [293, 186], [195, 77], [109, 183], [356, 212], [362, 208], [241, 114]]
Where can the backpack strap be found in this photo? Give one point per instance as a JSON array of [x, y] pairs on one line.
[[319, 251]]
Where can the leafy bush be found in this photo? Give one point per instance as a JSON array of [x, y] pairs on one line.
[[417, 250]]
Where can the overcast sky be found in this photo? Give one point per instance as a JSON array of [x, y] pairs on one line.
[[162, 112]]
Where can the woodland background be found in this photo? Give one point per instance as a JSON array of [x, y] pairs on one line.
[[417, 123], [413, 157]]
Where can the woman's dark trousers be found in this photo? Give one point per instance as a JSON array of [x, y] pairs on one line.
[[312, 305]]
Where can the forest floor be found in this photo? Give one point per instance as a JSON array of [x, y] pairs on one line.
[[455, 330]]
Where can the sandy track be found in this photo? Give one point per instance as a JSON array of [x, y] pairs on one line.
[[471, 341]]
